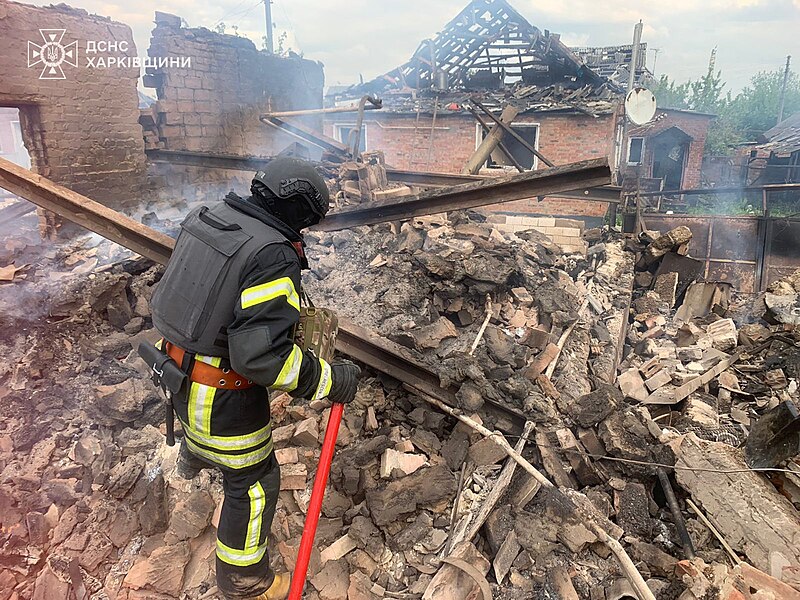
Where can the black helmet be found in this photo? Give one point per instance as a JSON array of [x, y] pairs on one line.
[[283, 182]]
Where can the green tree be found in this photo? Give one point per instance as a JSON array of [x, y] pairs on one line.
[[755, 109], [705, 94], [670, 94], [740, 118]]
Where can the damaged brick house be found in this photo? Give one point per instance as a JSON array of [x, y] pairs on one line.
[[83, 128], [569, 103], [79, 129]]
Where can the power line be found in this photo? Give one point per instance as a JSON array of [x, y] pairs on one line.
[[647, 463], [238, 12]]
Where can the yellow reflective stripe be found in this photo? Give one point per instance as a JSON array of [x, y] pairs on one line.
[[232, 461], [160, 344], [240, 558], [325, 381], [269, 291], [201, 400], [214, 361], [287, 378], [231, 442], [258, 500]]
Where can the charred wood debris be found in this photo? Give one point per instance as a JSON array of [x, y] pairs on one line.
[[663, 407]]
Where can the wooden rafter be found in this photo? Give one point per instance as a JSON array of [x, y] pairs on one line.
[[489, 36]]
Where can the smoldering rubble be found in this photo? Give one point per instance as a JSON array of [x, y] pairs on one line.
[[528, 339]]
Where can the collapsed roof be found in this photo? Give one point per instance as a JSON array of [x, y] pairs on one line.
[[614, 62], [492, 50], [784, 138]]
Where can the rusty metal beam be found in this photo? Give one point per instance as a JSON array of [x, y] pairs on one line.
[[85, 212], [207, 160], [605, 193], [495, 190], [374, 104], [307, 135], [428, 179]]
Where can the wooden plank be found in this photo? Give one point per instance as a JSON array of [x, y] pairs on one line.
[[497, 491], [505, 556], [746, 509], [670, 395], [503, 148], [505, 125]]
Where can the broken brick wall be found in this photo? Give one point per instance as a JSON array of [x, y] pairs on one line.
[[563, 138], [214, 106], [81, 131]]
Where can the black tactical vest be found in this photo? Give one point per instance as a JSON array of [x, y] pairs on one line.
[[193, 304]]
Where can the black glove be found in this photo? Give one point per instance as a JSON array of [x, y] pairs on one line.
[[344, 376]]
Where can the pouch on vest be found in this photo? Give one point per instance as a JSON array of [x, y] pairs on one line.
[[164, 371], [187, 292], [316, 329]]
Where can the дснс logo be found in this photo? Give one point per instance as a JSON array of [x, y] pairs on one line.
[[52, 54]]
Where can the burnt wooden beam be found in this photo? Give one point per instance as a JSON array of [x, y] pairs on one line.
[[510, 131], [490, 142], [503, 148], [531, 184], [207, 160], [85, 212]]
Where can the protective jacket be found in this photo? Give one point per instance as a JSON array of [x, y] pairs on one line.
[[230, 297]]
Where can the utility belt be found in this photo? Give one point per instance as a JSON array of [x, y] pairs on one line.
[[170, 367], [205, 373]]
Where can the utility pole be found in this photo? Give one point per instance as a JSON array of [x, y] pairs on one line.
[[268, 15], [622, 128], [783, 89], [637, 39]]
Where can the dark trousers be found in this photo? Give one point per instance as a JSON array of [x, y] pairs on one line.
[[251, 495]]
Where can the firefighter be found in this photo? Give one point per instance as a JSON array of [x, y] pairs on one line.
[[227, 306]]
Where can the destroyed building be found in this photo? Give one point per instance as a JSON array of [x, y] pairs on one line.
[[780, 149], [82, 130], [637, 386], [568, 107]]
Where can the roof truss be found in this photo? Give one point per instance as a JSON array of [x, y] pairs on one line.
[[487, 45]]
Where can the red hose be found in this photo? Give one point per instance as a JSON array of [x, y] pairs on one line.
[[315, 505]]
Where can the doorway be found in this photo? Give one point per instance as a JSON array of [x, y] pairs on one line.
[[670, 149], [13, 149]]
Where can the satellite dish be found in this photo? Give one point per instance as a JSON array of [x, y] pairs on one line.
[[640, 106]]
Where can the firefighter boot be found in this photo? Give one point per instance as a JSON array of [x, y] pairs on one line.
[[279, 590]]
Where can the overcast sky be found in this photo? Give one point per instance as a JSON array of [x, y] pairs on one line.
[[370, 37]]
